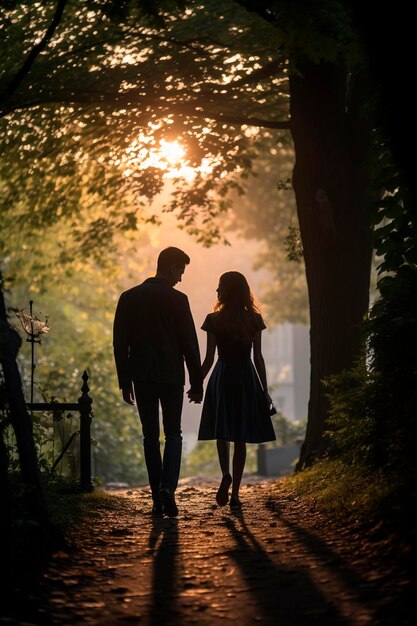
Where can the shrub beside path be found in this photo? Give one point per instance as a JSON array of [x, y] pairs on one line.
[[277, 562]]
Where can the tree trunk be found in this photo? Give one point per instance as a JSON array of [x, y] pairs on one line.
[[6, 506], [22, 426], [388, 56], [330, 180]]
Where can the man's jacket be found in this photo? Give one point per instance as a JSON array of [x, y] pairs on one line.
[[152, 335]]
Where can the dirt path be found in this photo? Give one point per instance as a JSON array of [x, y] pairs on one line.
[[272, 564]]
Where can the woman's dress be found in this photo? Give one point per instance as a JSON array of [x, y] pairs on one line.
[[235, 407]]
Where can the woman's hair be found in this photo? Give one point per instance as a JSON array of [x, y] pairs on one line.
[[236, 307]]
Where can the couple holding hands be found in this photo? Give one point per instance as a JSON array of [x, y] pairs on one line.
[[153, 334]]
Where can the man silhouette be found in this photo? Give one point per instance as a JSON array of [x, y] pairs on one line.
[[152, 335]]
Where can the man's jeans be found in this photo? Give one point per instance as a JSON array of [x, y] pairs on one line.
[[161, 473]]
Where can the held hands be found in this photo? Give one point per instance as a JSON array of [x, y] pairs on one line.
[[195, 396], [128, 396]]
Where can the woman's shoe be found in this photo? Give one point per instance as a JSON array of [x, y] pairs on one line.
[[235, 504], [222, 495]]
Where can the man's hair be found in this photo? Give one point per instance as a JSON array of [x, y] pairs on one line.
[[171, 256]]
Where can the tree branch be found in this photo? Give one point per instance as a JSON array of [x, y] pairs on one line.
[[273, 68], [237, 120], [159, 107], [34, 53]]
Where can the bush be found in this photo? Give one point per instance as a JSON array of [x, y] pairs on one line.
[[371, 426]]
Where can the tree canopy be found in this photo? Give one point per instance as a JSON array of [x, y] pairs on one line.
[[102, 94], [92, 91]]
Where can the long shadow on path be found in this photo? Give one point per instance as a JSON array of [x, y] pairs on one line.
[[282, 594], [164, 540], [366, 588]]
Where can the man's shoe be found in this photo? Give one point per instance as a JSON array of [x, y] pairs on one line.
[[157, 510], [168, 502]]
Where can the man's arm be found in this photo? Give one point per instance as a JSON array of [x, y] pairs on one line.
[[128, 396], [206, 366], [191, 353], [121, 349]]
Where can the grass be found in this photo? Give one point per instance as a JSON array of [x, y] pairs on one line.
[[69, 507], [352, 495]]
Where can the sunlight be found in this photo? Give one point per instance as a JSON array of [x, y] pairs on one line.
[[171, 151], [169, 156]]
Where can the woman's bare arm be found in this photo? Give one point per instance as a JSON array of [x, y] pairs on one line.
[[209, 358], [258, 359]]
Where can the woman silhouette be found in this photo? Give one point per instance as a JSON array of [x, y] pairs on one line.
[[237, 405]]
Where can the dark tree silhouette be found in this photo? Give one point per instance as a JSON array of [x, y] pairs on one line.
[[48, 536]]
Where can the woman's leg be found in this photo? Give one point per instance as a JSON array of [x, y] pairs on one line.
[[239, 459], [222, 495], [223, 452]]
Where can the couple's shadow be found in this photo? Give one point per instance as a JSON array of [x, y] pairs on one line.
[[281, 593], [164, 544]]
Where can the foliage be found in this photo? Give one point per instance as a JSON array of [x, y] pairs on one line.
[[349, 494], [81, 131], [395, 237], [372, 414], [351, 423], [76, 202], [51, 432], [266, 211], [69, 508], [78, 163], [286, 430], [373, 406], [77, 151], [110, 86], [80, 315], [391, 327], [203, 460], [392, 341]]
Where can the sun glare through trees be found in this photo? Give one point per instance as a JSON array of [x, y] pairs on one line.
[[169, 156]]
